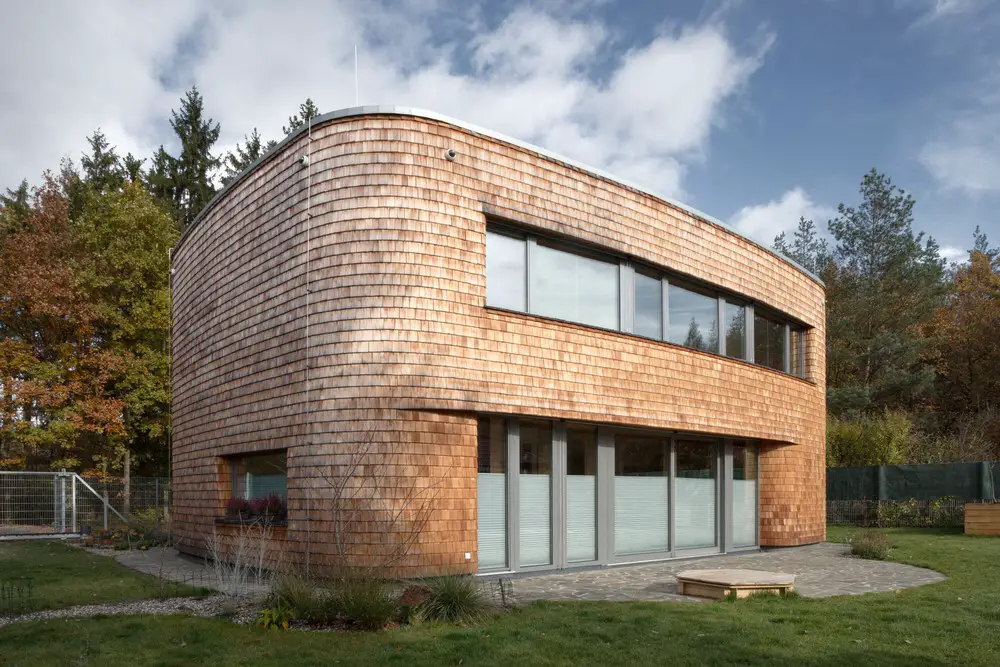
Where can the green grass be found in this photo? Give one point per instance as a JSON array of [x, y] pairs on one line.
[[956, 622], [63, 576]]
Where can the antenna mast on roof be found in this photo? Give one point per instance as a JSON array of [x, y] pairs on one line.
[[356, 102]]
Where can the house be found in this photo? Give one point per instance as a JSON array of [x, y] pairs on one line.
[[452, 351]]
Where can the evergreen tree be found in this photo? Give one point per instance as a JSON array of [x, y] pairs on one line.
[[245, 155], [886, 286], [807, 248], [187, 179], [981, 244], [15, 207], [102, 168], [132, 168], [307, 110]]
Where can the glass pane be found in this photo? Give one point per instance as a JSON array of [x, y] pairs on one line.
[[581, 493], [260, 475], [535, 511], [736, 330], [798, 352], [491, 499], [744, 494], [642, 468], [648, 307], [693, 319], [694, 521], [768, 343], [574, 288], [506, 281]]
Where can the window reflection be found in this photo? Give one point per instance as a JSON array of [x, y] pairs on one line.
[[693, 319]]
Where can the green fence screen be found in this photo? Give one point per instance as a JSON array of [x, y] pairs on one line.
[[968, 481]]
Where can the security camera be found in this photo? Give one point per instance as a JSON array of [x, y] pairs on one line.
[[304, 160], [450, 155]]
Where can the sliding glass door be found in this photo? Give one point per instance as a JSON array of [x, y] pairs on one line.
[[581, 494], [642, 495], [696, 505], [535, 493]]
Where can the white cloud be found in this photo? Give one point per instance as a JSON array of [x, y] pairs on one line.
[[765, 221], [953, 253], [968, 160], [932, 11], [554, 77]]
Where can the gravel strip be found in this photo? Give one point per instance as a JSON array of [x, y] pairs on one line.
[[240, 610]]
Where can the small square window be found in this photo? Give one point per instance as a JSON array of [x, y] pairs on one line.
[[259, 475]]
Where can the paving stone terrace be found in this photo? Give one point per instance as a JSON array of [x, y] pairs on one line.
[[821, 570]]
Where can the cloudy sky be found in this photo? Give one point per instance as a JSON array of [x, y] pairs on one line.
[[755, 112]]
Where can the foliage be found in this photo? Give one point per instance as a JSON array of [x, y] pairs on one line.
[[273, 619], [368, 603], [237, 506], [244, 155], [186, 180], [886, 283], [301, 597], [807, 248], [871, 545], [17, 596], [457, 599], [307, 110], [880, 439]]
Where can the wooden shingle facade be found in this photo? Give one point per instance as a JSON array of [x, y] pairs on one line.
[[335, 309]]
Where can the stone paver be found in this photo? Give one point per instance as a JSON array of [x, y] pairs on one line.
[[821, 570]]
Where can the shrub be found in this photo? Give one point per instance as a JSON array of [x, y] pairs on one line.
[[367, 603], [458, 599], [871, 545], [273, 619], [299, 596], [880, 439]]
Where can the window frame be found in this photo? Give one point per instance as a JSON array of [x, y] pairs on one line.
[[626, 297]]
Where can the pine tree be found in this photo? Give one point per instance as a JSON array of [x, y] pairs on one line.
[[102, 168], [15, 207], [885, 287], [806, 248], [132, 168], [245, 155], [307, 110], [187, 179]]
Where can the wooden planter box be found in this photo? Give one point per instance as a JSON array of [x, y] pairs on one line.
[[982, 519]]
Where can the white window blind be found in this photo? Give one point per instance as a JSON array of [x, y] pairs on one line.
[[581, 515], [641, 514], [695, 513], [492, 520], [535, 519]]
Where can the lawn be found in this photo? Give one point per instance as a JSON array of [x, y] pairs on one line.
[[956, 622], [63, 576]]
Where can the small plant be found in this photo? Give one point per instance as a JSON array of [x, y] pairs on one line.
[[17, 596], [368, 603], [457, 599], [237, 507], [871, 545], [268, 508], [300, 597], [273, 619]]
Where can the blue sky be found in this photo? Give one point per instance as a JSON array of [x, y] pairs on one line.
[[754, 112]]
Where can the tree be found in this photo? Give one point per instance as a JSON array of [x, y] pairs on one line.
[[307, 110], [965, 334], [186, 180], [885, 285], [125, 238], [981, 244], [102, 168], [245, 155], [807, 248], [55, 374], [15, 207]]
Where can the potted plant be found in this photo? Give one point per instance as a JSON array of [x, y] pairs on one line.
[[237, 508], [268, 509]]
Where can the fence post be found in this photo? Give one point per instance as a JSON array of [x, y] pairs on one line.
[[105, 506], [156, 504], [985, 481], [62, 501], [882, 485], [73, 491], [55, 500]]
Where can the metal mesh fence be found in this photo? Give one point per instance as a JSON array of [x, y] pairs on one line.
[[43, 503], [940, 513]]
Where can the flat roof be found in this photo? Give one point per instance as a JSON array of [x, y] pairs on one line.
[[393, 110]]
